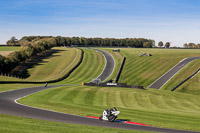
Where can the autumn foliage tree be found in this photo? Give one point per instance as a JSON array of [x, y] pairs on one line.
[[167, 45], [160, 44], [32, 48]]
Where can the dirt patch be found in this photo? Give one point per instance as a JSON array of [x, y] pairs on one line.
[[5, 53]]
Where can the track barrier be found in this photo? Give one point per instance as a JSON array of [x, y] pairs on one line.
[[114, 85], [120, 70]]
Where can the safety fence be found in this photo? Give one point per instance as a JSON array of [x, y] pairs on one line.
[[113, 85], [120, 70]]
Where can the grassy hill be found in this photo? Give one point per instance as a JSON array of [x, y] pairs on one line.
[[90, 68], [62, 61], [160, 108], [153, 107], [146, 69], [56, 65], [51, 67]]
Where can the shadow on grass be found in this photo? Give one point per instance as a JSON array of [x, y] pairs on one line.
[[22, 69]]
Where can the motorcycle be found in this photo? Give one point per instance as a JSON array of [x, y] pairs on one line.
[[109, 115]]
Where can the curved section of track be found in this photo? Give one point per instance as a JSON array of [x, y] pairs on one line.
[[110, 65], [9, 106], [168, 75]]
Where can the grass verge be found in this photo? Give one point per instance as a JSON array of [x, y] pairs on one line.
[[192, 84], [152, 107], [14, 124], [8, 87]]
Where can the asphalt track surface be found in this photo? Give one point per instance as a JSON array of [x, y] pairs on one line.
[[9, 105], [110, 65], [168, 75]]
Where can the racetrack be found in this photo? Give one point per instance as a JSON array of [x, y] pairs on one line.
[[110, 66], [168, 75], [9, 106]]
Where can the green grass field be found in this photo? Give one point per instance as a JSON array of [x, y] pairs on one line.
[[145, 70], [13, 124], [156, 108], [91, 67], [55, 66], [61, 62], [5, 50], [192, 86]]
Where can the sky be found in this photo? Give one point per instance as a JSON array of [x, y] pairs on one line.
[[176, 21]]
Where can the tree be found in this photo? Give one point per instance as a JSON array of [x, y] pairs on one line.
[[2, 63], [147, 45], [167, 45], [160, 44], [13, 41], [185, 45], [198, 45], [191, 45]]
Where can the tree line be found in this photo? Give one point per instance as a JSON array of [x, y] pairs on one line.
[[191, 45], [83, 41], [161, 44], [27, 51], [32, 45]]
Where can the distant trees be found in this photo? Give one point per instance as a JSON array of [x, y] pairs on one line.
[[82, 41], [32, 45], [147, 45], [12, 42], [31, 48], [191, 45], [160, 44], [167, 45]]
